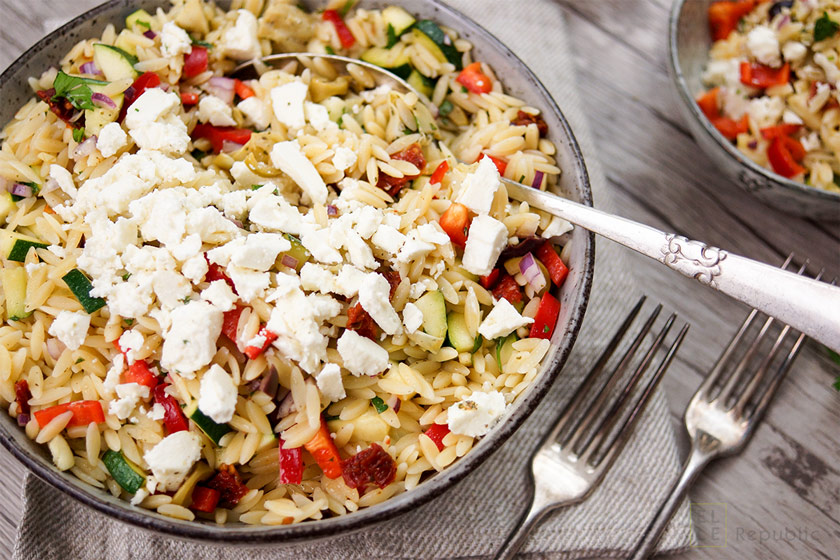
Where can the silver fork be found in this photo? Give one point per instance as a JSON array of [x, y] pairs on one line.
[[723, 413], [584, 443]]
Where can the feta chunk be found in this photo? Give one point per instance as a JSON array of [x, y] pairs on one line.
[[63, 179], [474, 415], [344, 158], [217, 395], [273, 212], [190, 342], [479, 187], [260, 250], [240, 42], [486, 240], [348, 281], [766, 111], [811, 142], [174, 40], [215, 111], [288, 158], [502, 320], [318, 116], [195, 268], [131, 342], [111, 139], [794, 51], [70, 328], [129, 394], [172, 458], [374, 296], [256, 112], [220, 295], [316, 241], [763, 44], [725, 72], [361, 355], [412, 317], [152, 124], [287, 101], [388, 239], [330, 383], [250, 284]]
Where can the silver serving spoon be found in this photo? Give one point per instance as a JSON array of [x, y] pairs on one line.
[[807, 305]]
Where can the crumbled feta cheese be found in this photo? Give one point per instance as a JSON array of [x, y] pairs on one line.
[[287, 101], [195, 268], [794, 51], [217, 394], [811, 142], [348, 281], [190, 342], [361, 355], [288, 158], [360, 253], [366, 221], [486, 240], [260, 250], [215, 111], [502, 320], [316, 241], [156, 413], [256, 112], [418, 289], [63, 179], [374, 296], [111, 139], [153, 122], [734, 101], [789, 117], [479, 187], [432, 233], [556, 227], [240, 42], [763, 44], [220, 295], [318, 116], [131, 342], [172, 458], [344, 158], [70, 328], [414, 248], [273, 212], [129, 394], [330, 383], [388, 239], [412, 317], [474, 415], [249, 284], [766, 111], [317, 278], [139, 496], [725, 72]]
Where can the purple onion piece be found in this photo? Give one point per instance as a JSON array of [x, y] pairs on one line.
[[230, 147], [394, 403], [270, 382], [332, 210], [525, 246], [129, 92], [538, 179], [90, 68], [753, 145], [149, 34], [531, 271], [19, 189], [221, 87], [85, 148], [102, 100], [286, 406], [23, 419], [289, 261]]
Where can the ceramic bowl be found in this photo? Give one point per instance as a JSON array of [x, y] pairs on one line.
[[574, 184], [689, 43]]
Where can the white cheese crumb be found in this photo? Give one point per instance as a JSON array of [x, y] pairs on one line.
[[344, 158], [174, 40], [764, 46], [479, 187], [374, 297], [240, 42], [486, 240], [330, 383], [190, 342], [502, 320], [287, 101], [217, 395], [172, 458], [256, 112], [474, 415], [220, 295], [131, 342], [129, 394], [361, 355], [111, 139], [70, 328], [412, 317], [63, 179], [215, 111]]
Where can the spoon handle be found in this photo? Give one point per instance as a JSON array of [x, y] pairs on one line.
[[809, 306]]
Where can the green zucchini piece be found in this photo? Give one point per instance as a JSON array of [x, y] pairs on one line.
[[139, 21], [436, 34], [213, 429], [128, 475], [7, 205], [81, 287], [96, 119], [433, 307], [421, 83], [458, 336], [398, 19], [14, 288], [504, 349], [395, 60], [14, 246], [114, 62]]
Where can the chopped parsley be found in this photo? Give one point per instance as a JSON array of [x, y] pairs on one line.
[[379, 404], [329, 50], [80, 360], [145, 24], [198, 154], [256, 187], [825, 27], [445, 108], [463, 89], [74, 89], [126, 276], [185, 301], [78, 134], [345, 9], [128, 322], [200, 43]]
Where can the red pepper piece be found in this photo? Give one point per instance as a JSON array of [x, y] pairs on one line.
[[216, 272], [373, 465], [22, 396], [344, 34], [546, 317], [476, 81], [323, 450], [143, 82], [205, 499], [508, 288], [784, 153], [139, 372], [243, 90], [500, 164], [557, 269], [253, 352], [195, 62], [291, 465], [229, 484], [436, 433], [360, 321], [724, 16], [189, 98], [729, 128], [413, 155], [761, 76], [440, 171], [173, 417], [708, 103], [218, 135], [84, 412], [230, 323], [524, 119], [491, 279], [456, 223], [780, 130]]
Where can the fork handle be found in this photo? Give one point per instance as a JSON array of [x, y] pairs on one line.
[[694, 465], [516, 539]]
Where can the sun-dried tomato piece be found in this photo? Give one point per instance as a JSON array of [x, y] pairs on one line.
[[229, 484], [370, 466], [360, 321], [524, 119], [394, 279], [62, 108], [22, 396], [414, 155]]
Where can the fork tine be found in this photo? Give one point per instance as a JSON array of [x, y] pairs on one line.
[[623, 433], [599, 366], [593, 442], [767, 395], [586, 419]]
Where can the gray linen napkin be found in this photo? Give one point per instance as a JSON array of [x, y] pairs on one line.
[[472, 519]]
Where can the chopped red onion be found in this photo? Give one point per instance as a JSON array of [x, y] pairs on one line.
[[102, 100], [149, 34], [753, 145], [286, 406], [85, 148], [270, 382], [78, 115], [221, 87], [54, 348], [332, 210], [23, 419], [538, 179], [394, 403], [229, 147], [289, 261], [90, 68], [531, 271], [785, 19], [165, 87], [19, 189]]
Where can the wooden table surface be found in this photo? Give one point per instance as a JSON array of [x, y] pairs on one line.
[[781, 497]]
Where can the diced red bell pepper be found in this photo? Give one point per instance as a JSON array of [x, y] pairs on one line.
[[784, 129], [476, 81], [725, 14], [243, 90], [557, 269], [455, 221], [195, 62], [436, 433], [373, 465], [508, 289], [500, 164], [730, 128], [217, 272], [708, 103], [230, 322], [218, 135], [84, 412], [761, 76], [253, 352], [323, 450], [205, 499], [139, 372], [490, 280], [173, 417], [440, 171], [291, 465], [229, 484], [546, 317], [22, 396], [784, 153], [189, 98], [143, 82], [344, 34]]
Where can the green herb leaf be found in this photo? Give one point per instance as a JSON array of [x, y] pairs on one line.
[[145, 24], [345, 9], [200, 43], [329, 50], [198, 154], [126, 276], [256, 187], [825, 27], [129, 322], [379, 404], [80, 360], [74, 89], [392, 37], [445, 108], [78, 134]]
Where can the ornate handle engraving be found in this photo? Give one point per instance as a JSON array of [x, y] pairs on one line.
[[693, 259]]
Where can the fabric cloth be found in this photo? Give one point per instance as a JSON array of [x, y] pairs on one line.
[[473, 518]]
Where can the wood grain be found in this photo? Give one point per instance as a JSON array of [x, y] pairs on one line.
[[782, 494]]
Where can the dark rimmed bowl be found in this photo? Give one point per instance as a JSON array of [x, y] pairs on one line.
[[574, 184], [689, 43]]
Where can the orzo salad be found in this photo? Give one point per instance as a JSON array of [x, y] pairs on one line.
[[773, 77], [270, 300]]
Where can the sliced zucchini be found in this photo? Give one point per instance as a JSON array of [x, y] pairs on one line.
[[14, 246], [395, 60], [433, 31], [192, 18], [458, 336], [7, 205], [128, 475], [124, 43], [421, 83], [398, 19], [504, 349], [114, 62], [297, 252], [213, 429], [81, 287], [96, 119], [433, 307], [14, 288], [139, 21], [367, 428]]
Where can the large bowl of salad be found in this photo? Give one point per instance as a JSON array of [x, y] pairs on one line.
[[278, 308], [758, 84]]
